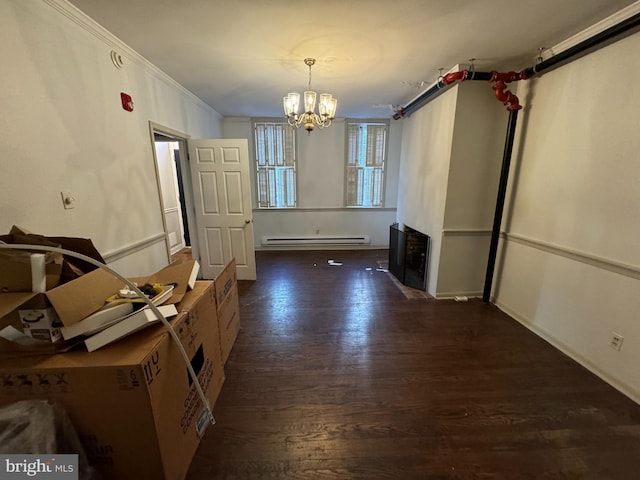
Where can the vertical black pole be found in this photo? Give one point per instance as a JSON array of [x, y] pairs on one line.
[[502, 192]]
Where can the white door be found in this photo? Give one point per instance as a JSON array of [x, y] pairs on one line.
[[222, 194]]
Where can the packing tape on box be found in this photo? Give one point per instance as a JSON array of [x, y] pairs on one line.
[[38, 273]]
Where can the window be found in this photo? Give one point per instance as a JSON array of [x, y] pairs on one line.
[[366, 154], [275, 165]]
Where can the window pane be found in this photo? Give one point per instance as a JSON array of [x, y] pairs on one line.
[[290, 187], [263, 188], [352, 148], [275, 165], [366, 156]]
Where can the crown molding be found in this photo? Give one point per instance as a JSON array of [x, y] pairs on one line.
[[596, 28], [89, 25]]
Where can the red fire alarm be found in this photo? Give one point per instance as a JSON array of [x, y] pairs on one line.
[[127, 102]]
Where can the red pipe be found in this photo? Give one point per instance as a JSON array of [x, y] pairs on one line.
[[503, 95], [455, 76], [499, 81]]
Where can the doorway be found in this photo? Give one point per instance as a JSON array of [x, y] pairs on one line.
[[172, 192], [172, 174], [205, 199]]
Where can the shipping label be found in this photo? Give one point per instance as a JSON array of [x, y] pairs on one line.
[[192, 403]]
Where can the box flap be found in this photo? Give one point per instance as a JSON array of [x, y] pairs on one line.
[[194, 274], [178, 274], [83, 246], [19, 230], [83, 296], [15, 346], [28, 240], [11, 301]]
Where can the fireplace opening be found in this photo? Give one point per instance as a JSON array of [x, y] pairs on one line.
[[409, 256]]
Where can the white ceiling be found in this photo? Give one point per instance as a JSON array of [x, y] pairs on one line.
[[242, 56]]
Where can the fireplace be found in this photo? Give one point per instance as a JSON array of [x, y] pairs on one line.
[[409, 256]]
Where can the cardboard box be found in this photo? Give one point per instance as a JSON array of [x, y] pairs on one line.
[[9, 304], [15, 265], [225, 281], [15, 270], [79, 298], [132, 403], [21, 345], [39, 320], [75, 300], [229, 322], [227, 303], [72, 267]]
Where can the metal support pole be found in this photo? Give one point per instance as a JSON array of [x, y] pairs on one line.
[[502, 192]]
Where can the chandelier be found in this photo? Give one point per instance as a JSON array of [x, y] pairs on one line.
[[326, 107]]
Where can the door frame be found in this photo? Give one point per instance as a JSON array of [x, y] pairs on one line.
[[181, 138]]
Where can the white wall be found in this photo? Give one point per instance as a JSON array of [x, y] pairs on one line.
[[451, 157], [474, 173], [570, 265], [427, 137], [62, 128], [320, 187]]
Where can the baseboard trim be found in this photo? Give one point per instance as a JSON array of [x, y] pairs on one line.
[[619, 385], [466, 232], [320, 247], [452, 295]]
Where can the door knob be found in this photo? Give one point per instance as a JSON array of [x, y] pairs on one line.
[[248, 220]]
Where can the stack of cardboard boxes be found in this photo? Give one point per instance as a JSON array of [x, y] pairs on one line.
[[133, 402]]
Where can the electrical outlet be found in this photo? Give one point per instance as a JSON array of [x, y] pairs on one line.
[[616, 341]]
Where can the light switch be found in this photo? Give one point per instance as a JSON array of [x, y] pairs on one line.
[[68, 200]]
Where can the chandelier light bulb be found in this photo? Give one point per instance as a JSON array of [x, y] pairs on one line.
[[291, 104], [309, 101]]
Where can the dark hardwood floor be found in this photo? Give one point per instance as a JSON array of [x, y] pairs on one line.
[[336, 375]]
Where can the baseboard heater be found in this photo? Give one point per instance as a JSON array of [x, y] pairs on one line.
[[302, 241]]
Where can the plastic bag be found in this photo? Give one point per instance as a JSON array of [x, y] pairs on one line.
[[41, 427]]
